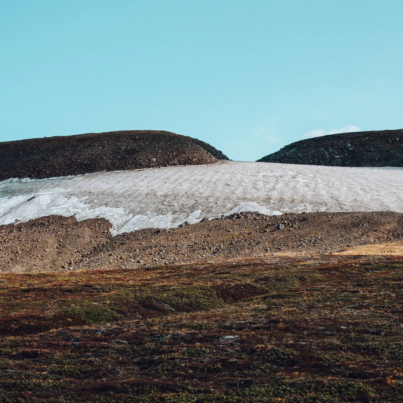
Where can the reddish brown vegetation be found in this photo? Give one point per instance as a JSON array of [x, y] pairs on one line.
[[317, 329]]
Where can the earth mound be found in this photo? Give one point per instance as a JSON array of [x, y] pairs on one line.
[[94, 152], [360, 149], [212, 150]]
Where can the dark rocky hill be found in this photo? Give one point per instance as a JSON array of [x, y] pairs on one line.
[[213, 151], [361, 149], [94, 152]]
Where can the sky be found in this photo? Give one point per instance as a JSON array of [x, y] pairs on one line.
[[247, 76]]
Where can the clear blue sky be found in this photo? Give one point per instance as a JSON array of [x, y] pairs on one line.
[[247, 76]]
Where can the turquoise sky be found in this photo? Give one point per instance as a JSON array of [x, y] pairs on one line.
[[246, 76]]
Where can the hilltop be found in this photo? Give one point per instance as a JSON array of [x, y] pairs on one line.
[[360, 149], [95, 152]]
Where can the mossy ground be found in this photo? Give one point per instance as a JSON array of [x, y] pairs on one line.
[[325, 329]]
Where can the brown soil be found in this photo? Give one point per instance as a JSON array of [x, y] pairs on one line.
[[49, 243], [361, 149], [58, 243], [94, 152]]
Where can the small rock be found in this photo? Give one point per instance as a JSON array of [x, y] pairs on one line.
[[115, 371], [244, 383], [30, 355], [229, 338], [120, 342]]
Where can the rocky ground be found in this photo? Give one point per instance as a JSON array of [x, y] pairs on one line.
[[95, 152], [49, 243], [244, 308], [362, 149], [59, 243], [247, 308]]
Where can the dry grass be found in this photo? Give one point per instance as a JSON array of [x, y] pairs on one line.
[[387, 248]]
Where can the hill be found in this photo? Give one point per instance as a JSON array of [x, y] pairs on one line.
[[213, 151], [361, 149], [94, 152]]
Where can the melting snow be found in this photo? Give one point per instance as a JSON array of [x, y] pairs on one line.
[[169, 197]]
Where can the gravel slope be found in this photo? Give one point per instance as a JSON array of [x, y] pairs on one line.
[[59, 243]]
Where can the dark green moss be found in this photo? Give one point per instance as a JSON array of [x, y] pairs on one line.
[[183, 299], [91, 313]]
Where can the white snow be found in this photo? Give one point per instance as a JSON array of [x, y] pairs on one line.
[[251, 206], [169, 197]]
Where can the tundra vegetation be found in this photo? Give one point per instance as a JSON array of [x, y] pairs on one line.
[[281, 329]]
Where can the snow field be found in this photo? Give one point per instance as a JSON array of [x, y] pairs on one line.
[[169, 197]]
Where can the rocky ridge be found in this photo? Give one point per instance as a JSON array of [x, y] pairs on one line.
[[361, 149], [94, 152], [213, 151]]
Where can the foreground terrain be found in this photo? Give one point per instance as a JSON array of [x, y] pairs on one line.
[[279, 329], [238, 307], [62, 243]]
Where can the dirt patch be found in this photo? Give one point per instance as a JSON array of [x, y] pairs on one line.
[[58, 243], [387, 248], [248, 235], [49, 243], [95, 152]]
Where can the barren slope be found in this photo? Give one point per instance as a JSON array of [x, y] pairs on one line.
[[94, 152], [212, 150], [58, 243], [361, 149]]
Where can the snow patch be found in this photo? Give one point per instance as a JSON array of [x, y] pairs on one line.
[[252, 207], [145, 221], [173, 196], [31, 206]]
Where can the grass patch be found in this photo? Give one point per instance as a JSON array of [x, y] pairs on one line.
[[185, 299], [91, 313]]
